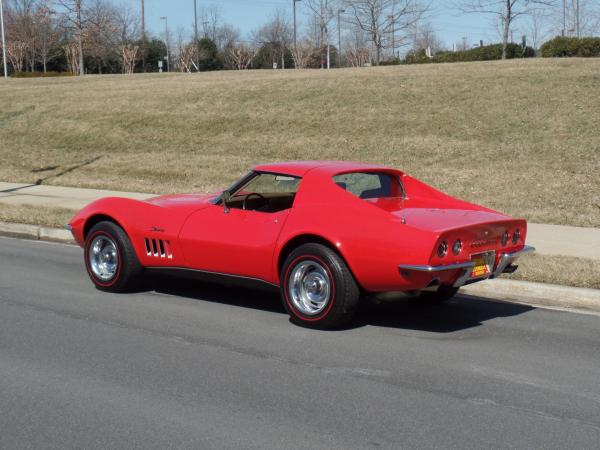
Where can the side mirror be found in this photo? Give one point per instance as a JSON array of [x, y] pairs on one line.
[[225, 197]]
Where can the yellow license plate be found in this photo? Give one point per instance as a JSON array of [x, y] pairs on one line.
[[480, 267]]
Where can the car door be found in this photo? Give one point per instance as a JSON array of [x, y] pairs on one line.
[[234, 241], [240, 239]]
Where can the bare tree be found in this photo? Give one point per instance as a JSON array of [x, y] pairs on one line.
[[302, 53], [76, 23], [226, 36], [322, 13], [427, 38], [210, 17], [276, 33], [71, 50], [49, 34], [356, 45], [506, 11], [129, 54], [538, 29], [239, 56], [17, 52], [21, 27], [383, 20], [102, 32], [185, 58]]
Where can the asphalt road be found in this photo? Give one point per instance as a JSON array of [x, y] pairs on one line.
[[201, 366]]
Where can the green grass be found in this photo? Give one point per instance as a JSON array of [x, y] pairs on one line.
[[522, 137]]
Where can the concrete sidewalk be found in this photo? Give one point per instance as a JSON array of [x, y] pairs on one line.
[[547, 239]]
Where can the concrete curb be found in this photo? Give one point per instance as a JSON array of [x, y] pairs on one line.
[[525, 292], [35, 232], [536, 294]]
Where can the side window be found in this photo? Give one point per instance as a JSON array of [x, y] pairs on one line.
[[367, 185], [266, 192]]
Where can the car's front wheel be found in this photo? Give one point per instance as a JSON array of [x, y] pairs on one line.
[[110, 259], [317, 288]]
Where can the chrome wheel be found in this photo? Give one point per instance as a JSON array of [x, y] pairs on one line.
[[309, 287], [103, 257]]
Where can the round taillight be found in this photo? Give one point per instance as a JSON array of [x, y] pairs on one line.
[[516, 236], [505, 238], [457, 247], [442, 249]]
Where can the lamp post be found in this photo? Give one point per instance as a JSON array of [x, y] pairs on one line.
[[295, 40], [167, 40], [3, 41], [196, 50], [339, 12]]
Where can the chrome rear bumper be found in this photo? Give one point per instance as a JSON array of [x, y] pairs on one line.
[[505, 261]]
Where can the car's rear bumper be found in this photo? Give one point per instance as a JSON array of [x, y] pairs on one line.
[[464, 269]]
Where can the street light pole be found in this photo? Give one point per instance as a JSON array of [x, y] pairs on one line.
[[167, 40], [143, 38], [295, 38], [340, 11], [3, 41], [196, 49]]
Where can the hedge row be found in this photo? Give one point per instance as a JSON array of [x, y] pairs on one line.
[[485, 53], [571, 46], [40, 74]]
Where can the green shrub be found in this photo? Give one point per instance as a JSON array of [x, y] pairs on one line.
[[485, 53], [571, 46], [390, 62], [40, 74]]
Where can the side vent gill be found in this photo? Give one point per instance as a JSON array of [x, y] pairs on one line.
[[158, 248]]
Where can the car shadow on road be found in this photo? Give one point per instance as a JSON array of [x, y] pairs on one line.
[[460, 313]]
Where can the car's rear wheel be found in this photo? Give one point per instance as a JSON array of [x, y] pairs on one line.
[[441, 295], [110, 259], [317, 288]]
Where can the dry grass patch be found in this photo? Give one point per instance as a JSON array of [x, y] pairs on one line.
[[518, 136], [568, 271], [39, 215]]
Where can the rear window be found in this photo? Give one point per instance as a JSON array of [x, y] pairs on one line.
[[368, 185]]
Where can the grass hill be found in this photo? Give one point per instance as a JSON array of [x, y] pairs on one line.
[[520, 136]]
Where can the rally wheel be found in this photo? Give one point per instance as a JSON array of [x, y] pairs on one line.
[[317, 288], [110, 259]]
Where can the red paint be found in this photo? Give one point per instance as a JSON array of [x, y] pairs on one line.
[[369, 234]]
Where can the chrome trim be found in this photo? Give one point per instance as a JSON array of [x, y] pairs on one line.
[[465, 265], [508, 258], [505, 260]]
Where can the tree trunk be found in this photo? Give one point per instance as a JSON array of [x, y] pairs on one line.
[[79, 38], [506, 20]]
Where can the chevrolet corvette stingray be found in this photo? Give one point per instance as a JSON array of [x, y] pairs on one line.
[[324, 233]]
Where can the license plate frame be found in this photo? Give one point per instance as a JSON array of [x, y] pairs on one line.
[[483, 265]]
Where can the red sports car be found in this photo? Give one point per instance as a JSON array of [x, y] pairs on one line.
[[323, 233]]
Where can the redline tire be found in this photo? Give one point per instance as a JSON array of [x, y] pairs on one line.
[[317, 288], [128, 269]]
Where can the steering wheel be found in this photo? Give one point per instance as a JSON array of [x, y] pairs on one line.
[[256, 194]]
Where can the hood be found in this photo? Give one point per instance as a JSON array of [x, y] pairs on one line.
[[182, 200]]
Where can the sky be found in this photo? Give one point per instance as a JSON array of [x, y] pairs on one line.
[[449, 24]]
